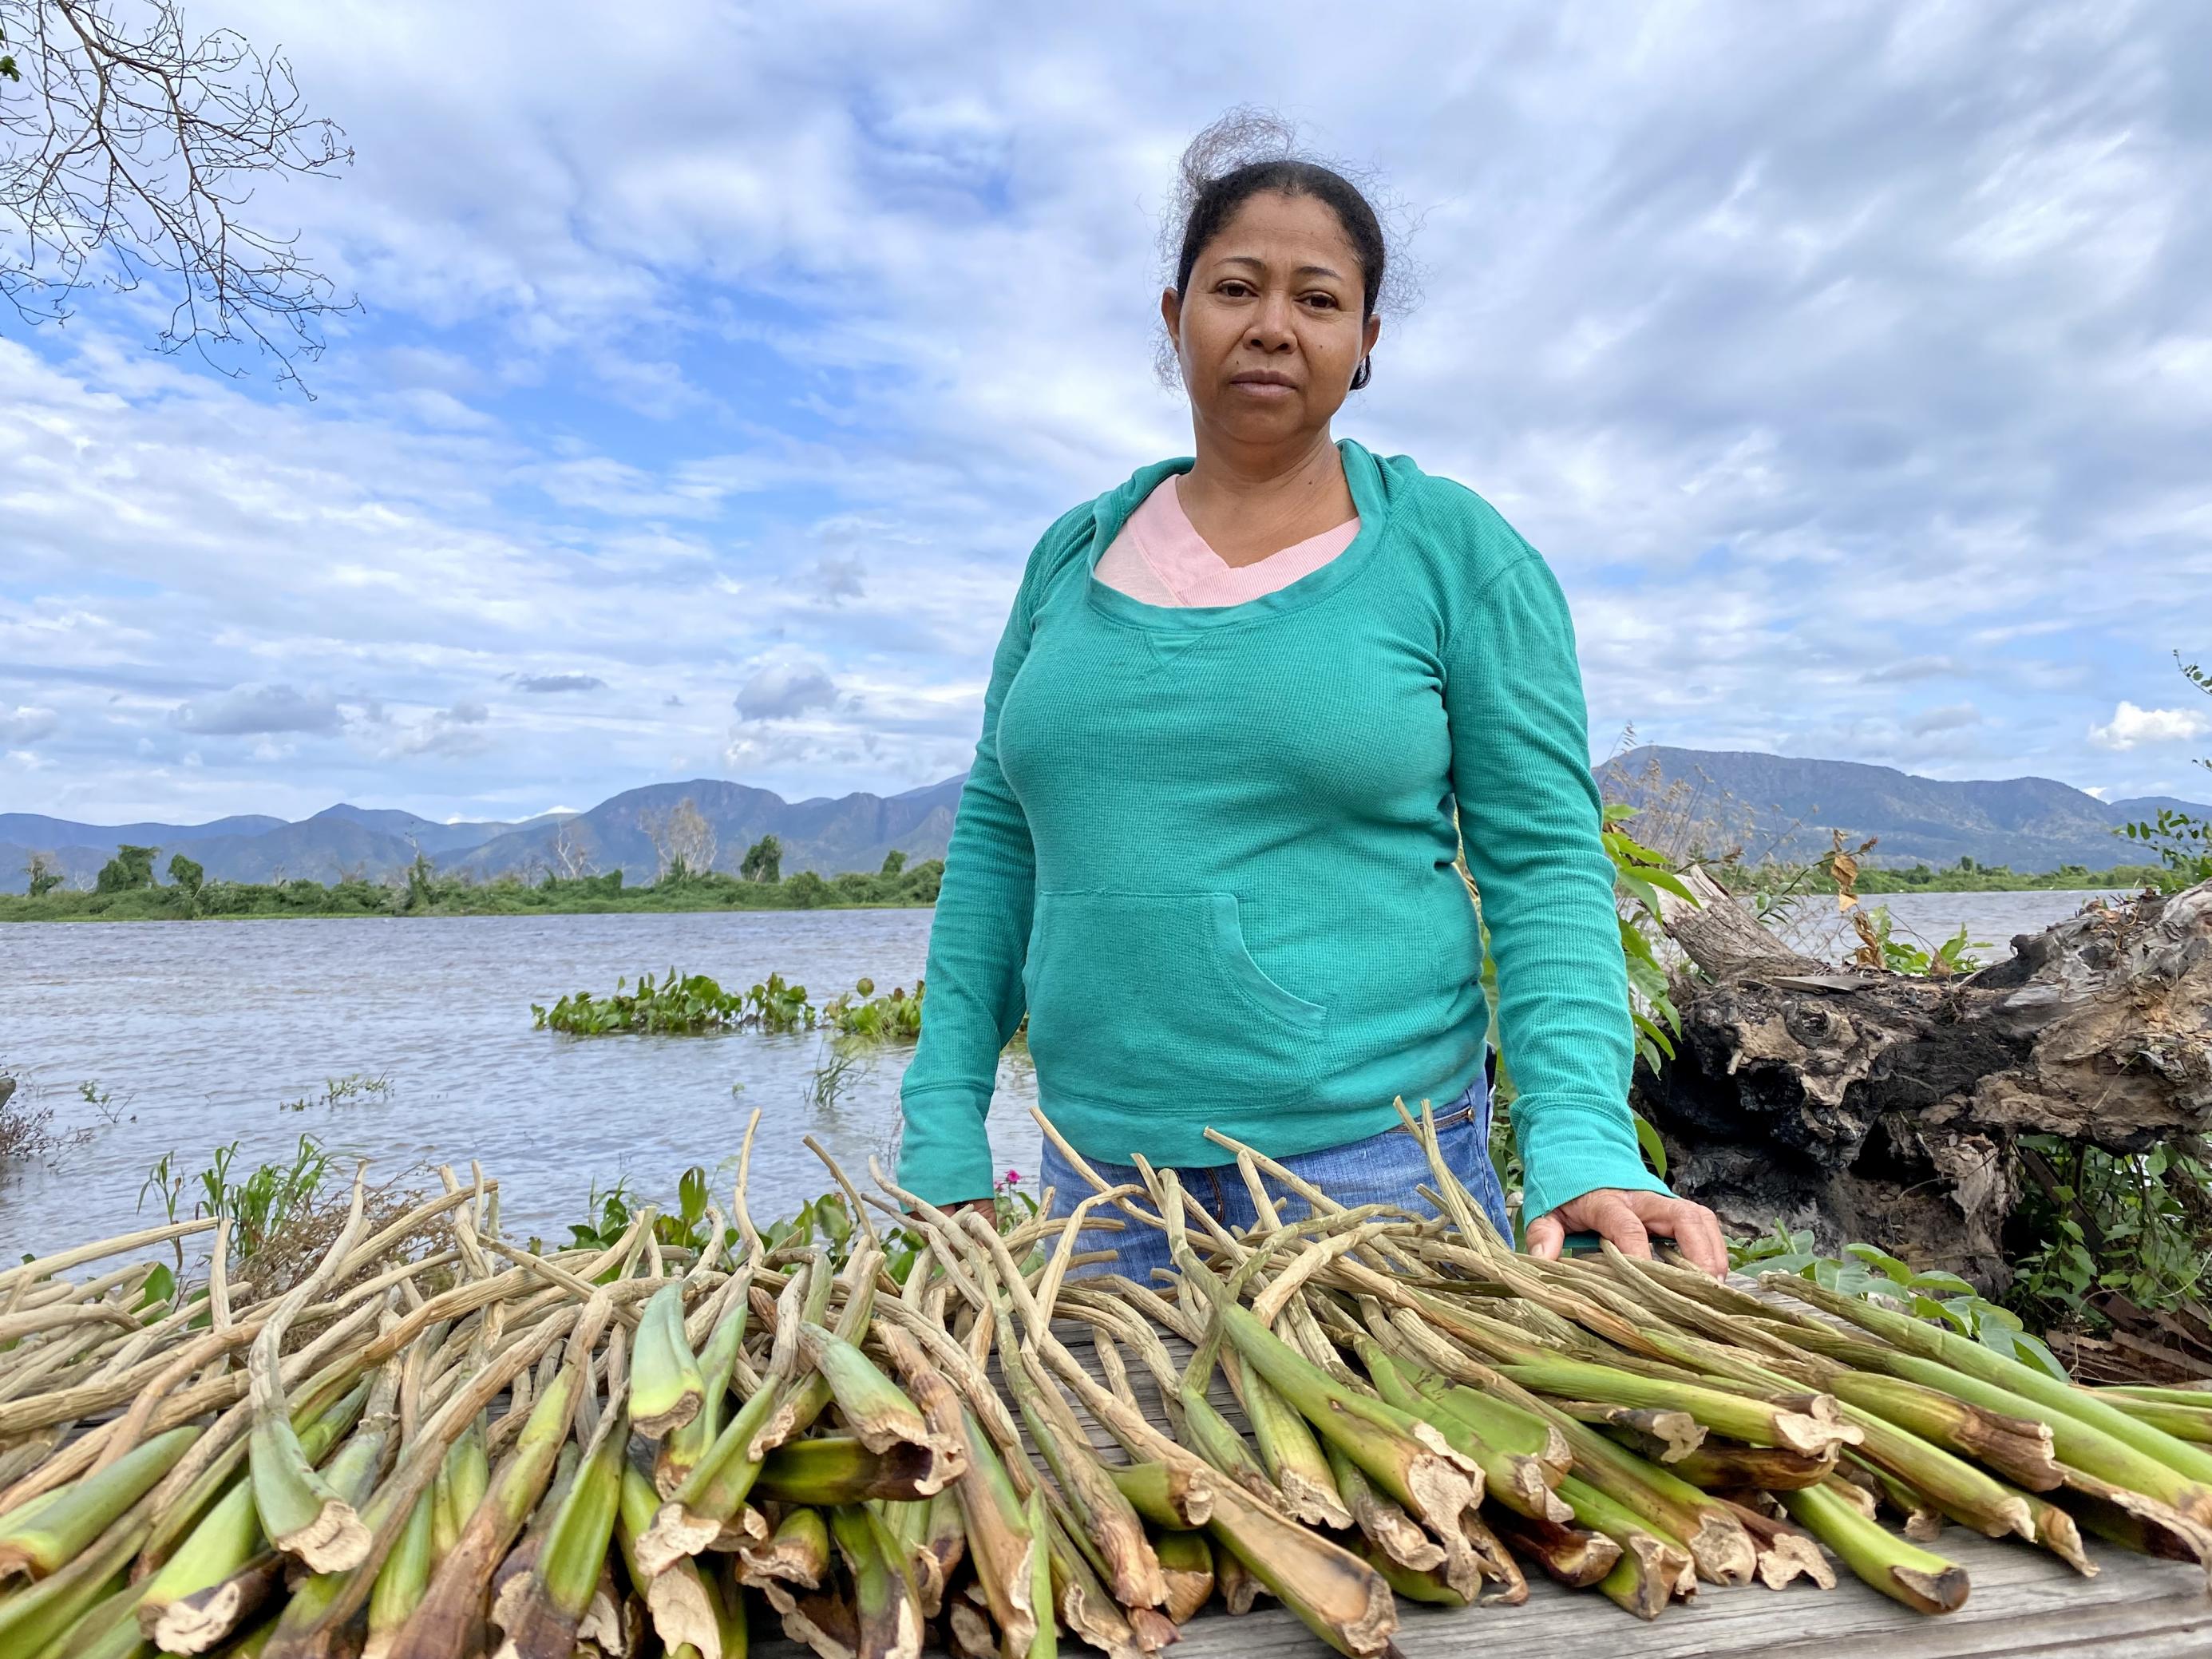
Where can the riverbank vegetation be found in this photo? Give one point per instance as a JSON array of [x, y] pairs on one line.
[[127, 890]]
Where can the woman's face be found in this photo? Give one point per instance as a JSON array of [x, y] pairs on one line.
[[1268, 328]]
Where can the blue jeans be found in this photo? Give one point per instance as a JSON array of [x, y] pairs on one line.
[[1383, 1169]]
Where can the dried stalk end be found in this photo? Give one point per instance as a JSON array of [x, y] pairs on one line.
[[1903, 1573], [1176, 1496], [45, 1534], [1187, 1563], [798, 1552]]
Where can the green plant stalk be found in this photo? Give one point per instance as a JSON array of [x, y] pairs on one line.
[[1500, 1423], [106, 1632], [1517, 1481], [402, 1581], [1002, 1545], [1211, 1436], [1660, 1563], [1665, 1437], [798, 1552], [2190, 1464], [466, 1473], [2018, 1448], [1722, 1550], [444, 1523], [1431, 1586], [2057, 1531], [728, 1603], [1922, 1520], [943, 1545], [42, 1536], [681, 1451], [197, 1621], [452, 1610], [512, 1574], [876, 1408], [1726, 1465], [1955, 1487], [1103, 1515], [883, 1600], [228, 1536], [678, 1602], [2134, 1521], [1573, 1555], [2190, 1423], [2078, 1443], [1187, 1563], [1757, 1422], [543, 1618], [1288, 1450], [1339, 1597], [2121, 1393], [1044, 1640], [714, 1491], [32, 1616], [831, 1469], [1400, 1536], [667, 1388], [301, 1513], [1902, 1572], [1173, 1496], [1422, 1474]]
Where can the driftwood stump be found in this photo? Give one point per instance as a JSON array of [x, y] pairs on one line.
[[1873, 1106]]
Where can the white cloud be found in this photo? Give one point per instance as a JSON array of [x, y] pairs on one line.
[[782, 690], [761, 358], [1952, 717], [247, 709], [2130, 726], [26, 724]]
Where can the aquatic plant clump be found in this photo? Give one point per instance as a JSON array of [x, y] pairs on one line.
[[881, 1425]]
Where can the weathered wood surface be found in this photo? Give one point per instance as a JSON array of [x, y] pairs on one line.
[[2024, 1602]]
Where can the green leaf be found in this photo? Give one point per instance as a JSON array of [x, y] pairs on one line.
[[1655, 1149], [1936, 1279], [1882, 1259]]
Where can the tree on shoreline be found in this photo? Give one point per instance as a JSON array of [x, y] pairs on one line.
[[44, 873], [763, 861], [131, 867]]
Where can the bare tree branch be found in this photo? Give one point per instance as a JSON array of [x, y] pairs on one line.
[[129, 153]]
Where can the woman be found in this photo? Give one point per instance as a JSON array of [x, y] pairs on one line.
[[1208, 842]]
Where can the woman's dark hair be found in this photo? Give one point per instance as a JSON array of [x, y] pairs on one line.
[[1211, 193]]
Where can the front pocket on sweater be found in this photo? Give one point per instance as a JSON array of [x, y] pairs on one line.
[[1151, 1002]]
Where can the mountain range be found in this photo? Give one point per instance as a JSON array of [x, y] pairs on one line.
[[1775, 804], [1701, 798], [852, 832]]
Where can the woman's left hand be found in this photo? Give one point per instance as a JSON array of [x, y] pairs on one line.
[[1627, 1219]]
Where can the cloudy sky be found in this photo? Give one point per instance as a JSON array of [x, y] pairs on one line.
[[717, 366]]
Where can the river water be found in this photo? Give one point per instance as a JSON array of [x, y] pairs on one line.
[[197, 1033]]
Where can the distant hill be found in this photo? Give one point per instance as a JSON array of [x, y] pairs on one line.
[[852, 832], [1706, 799], [1718, 800]]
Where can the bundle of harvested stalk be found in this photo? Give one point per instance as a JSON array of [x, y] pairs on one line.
[[941, 1431]]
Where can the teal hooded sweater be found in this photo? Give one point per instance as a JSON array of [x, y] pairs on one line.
[[1210, 852]]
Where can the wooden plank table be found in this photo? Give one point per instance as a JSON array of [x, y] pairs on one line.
[[2024, 1603]]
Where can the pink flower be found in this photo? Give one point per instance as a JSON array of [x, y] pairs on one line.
[[1013, 1178]]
